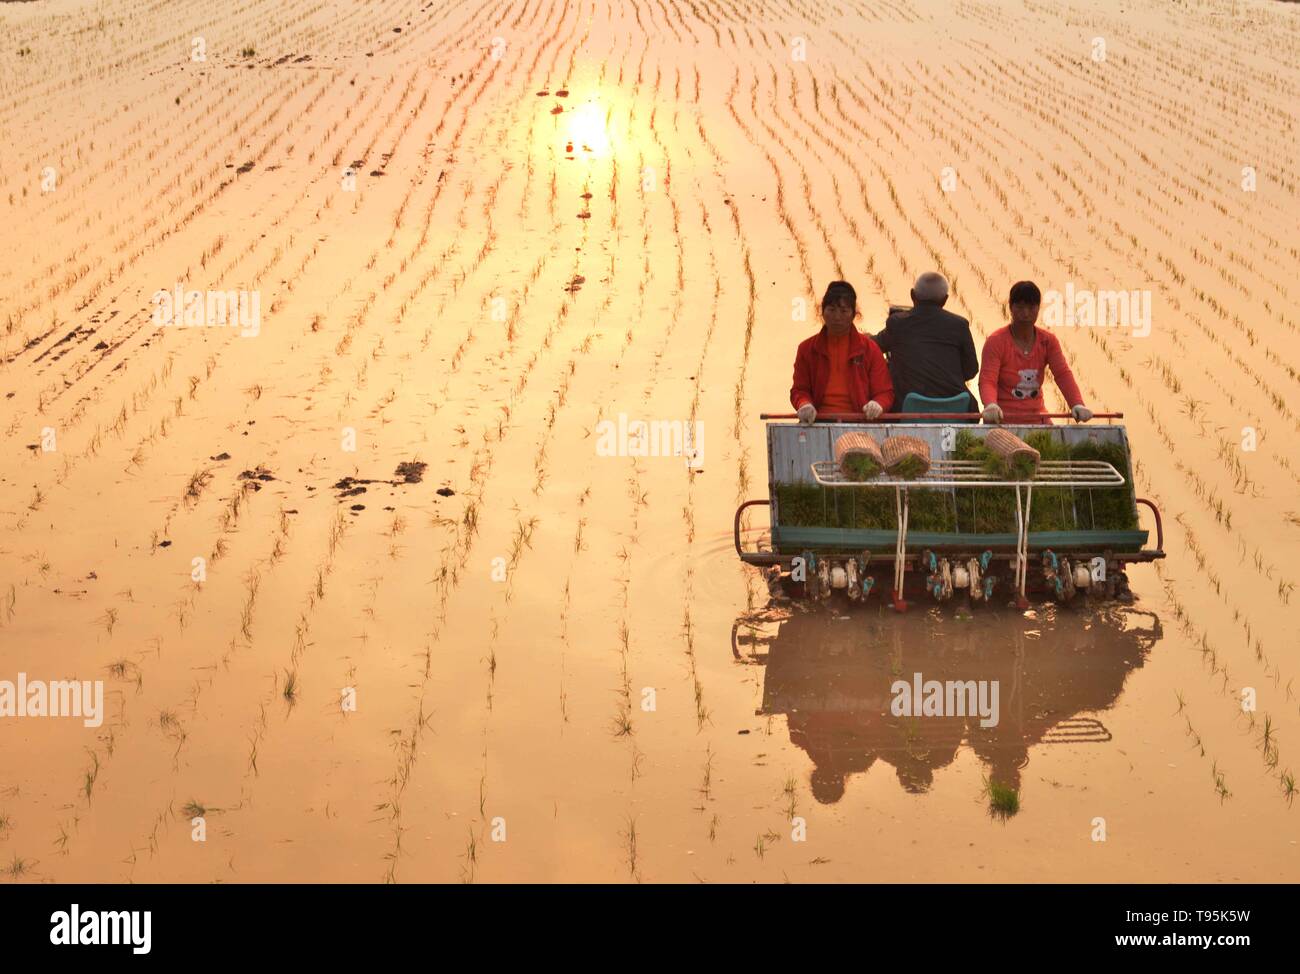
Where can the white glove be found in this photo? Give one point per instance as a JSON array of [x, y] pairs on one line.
[[872, 410], [992, 413], [1082, 413], [807, 414]]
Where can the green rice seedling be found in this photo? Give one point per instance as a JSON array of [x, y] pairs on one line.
[[909, 467], [471, 848], [638, 758], [972, 447], [986, 511], [622, 723], [198, 480], [1048, 444], [291, 687], [1288, 785], [336, 532], [982, 510], [1220, 785], [630, 836], [857, 466], [1004, 801], [800, 505], [1052, 509], [90, 776], [1106, 509], [791, 793], [869, 508], [1019, 467], [1268, 743], [19, 867], [701, 712], [193, 809], [523, 538], [840, 507], [929, 510]]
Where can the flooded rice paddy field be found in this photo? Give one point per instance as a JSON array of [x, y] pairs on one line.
[[468, 233]]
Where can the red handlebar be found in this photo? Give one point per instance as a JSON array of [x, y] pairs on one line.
[[859, 418]]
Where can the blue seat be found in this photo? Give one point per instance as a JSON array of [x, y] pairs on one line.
[[914, 402]]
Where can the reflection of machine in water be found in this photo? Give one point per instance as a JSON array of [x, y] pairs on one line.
[[832, 678]]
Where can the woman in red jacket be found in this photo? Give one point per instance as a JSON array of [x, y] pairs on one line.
[[1014, 363], [840, 370]]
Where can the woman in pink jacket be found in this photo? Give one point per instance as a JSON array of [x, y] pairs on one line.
[[1014, 364]]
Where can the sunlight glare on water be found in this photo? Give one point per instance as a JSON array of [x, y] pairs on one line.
[[584, 131]]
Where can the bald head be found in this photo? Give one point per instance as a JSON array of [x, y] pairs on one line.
[[930, 288]]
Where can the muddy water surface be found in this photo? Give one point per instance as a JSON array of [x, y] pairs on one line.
[[560, 670]]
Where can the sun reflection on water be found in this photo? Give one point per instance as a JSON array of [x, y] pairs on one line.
[[584, 131]]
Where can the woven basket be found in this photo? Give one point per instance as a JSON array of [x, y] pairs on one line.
[[907, 456], [1017, 456], [858, 456]]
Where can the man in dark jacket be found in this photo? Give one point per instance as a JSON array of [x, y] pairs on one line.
[[930, 350]]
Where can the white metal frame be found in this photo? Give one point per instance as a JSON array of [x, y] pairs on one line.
[[972, 473]]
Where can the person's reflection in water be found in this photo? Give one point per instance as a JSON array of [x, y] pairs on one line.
[[832, 678]]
